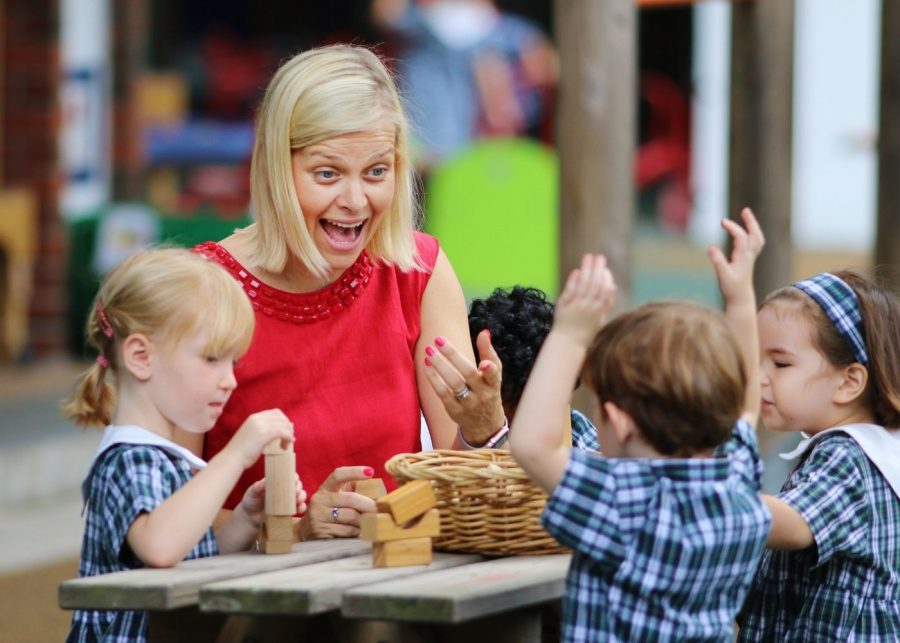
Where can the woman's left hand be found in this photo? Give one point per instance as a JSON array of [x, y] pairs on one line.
[[470, 394]]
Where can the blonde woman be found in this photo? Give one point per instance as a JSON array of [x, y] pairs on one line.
[[361, 321]]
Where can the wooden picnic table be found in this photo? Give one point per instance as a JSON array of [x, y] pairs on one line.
[[328, 590]]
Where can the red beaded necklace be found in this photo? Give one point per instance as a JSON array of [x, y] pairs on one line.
[[297, 308]]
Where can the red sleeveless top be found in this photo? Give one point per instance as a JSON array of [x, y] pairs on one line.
[[338, 362]]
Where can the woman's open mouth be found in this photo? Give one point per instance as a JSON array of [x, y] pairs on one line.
[[343, 236]]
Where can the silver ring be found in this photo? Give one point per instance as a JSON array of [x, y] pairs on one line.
[[334, 513], [464, 393]]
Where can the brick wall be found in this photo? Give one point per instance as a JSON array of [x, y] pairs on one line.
[[30, 156]]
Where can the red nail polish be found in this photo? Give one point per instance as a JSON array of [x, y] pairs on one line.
[[368, 472], [429, 351], [440, 341], [427, 362], [485, 367], [488, 331]]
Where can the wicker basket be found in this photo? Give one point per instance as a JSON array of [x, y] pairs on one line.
[[488, 504]]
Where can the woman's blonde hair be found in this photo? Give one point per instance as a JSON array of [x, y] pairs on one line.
[[167, 294], [677, 369], [317, 95]]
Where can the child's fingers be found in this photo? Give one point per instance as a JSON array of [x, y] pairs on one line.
[[753, 228]]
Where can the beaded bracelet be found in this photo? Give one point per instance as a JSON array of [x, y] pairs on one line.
[[494, 440]]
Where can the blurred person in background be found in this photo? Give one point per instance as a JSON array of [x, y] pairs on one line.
[[468, 70]]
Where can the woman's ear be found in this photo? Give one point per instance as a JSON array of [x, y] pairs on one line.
[[137, 356], [622, 424], [853, 383]]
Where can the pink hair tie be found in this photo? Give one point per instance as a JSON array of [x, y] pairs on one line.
[[102, 361]]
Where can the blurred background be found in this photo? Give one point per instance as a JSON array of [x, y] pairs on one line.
[[130, 122]]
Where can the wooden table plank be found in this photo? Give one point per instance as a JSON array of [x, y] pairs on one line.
[[464, 593], [179, 586], [311, 589]]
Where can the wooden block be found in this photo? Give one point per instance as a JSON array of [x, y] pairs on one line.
[[409, 501], [373, 488], [281, 496], [381, 528], [279, 528], [400, 553], [276, 536]]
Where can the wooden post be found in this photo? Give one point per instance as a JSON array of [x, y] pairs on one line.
[[887, 241], [762, 64], [596, 109]]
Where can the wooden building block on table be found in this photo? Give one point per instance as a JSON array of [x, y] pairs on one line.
[[281, 497], [409, 501], [381, 528], [279, 528], [276, 535], [373, 488], [400, 553]]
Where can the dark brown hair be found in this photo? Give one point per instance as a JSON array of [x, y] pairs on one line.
[[880, 312], [677, 369]]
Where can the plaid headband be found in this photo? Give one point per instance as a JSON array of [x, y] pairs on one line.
[[839, 302]]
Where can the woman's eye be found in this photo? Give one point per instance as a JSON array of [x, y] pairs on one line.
[[326, 174], [781, 364], [211, 358]]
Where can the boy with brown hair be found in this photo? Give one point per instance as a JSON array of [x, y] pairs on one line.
[[667, 527]]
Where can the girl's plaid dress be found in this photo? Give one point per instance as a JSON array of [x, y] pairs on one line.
[[125, 481], [665, 549], [846, 587]]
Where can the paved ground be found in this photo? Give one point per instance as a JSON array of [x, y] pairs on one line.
[[42, 460]]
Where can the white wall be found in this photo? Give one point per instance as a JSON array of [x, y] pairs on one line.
[[836, 67]]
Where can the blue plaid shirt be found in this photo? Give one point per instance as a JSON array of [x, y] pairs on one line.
[[584, 433], [125, 481], [664, 549], [847, 586]]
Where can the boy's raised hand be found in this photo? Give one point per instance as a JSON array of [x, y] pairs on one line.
[[736, 276], [257, 431], [587, 297]]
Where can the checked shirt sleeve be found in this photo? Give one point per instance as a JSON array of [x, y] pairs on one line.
[[136, 481], [828, 490], [582, 512]]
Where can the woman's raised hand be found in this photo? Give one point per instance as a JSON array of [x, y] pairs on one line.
[[470, 393], [334, 509]]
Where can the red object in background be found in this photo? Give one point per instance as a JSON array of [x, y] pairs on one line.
[[665, 154], [236, 73]]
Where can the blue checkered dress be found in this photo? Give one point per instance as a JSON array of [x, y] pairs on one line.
[[125, 481], [664, 549], [847, 586]]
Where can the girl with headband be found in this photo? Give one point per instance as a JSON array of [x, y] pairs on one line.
[[829, 349]]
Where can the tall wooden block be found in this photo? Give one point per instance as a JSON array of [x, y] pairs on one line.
[[373, 488], [400, 553], [382, 528], [409, 501], [281, 497]]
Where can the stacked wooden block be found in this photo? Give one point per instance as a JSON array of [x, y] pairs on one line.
[[402, 530], [277, 531]]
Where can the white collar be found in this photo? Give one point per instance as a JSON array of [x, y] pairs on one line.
[[881, 446], [131, 434]]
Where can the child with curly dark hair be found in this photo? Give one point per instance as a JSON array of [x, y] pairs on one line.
[[519, 321]]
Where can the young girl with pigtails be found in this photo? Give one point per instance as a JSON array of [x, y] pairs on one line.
[[829, 349], [165, 367]]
